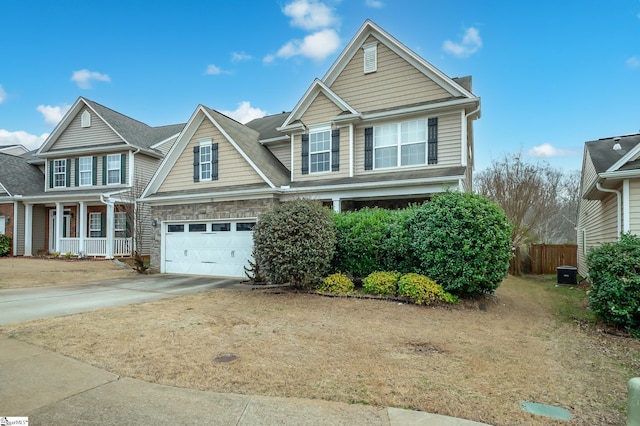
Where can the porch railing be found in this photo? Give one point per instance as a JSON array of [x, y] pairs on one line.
[[96, 246]]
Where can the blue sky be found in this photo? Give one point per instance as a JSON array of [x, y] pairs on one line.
[[551, 74]]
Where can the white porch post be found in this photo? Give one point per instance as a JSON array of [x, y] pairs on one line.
[[82, 227], [59, 225], [28, 231], [110, 232], [336, 205]]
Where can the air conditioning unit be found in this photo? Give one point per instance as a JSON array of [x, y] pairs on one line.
[[567, 275]]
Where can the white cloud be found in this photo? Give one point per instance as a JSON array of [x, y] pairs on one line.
[[3, 94], [269, 58], [53, 114], [547, 150], [240, 56], [23, 138], [470, 44], [310, 14], [633, 62], [316, 46], [83, 78], [245, 112], [213, 70], [376, 4]]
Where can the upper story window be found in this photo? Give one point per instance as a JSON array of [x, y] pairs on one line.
[[320, 151], [59, 173], [205, 159], [85, 171], [370, 57], [113, 169], [400, 144]]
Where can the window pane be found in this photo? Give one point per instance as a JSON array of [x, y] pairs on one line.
[[413, 131], [197, 227], [113, 176], [221, 227], [205, 153], [245, 226], [320, 162], [175, 228], [95, 225], [386, 157], [205, 171], [120, 221], [413, 154], [385, 135]]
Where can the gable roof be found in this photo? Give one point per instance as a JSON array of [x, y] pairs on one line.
[[243, 138], [606, 159], [18, 177], [267, 125], [132, 132]]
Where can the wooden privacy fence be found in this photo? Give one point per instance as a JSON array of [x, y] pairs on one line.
[[545, 258]]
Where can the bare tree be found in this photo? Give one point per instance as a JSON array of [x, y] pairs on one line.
[[528, 193], [137, 218]]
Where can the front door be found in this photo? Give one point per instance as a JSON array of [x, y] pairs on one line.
[[66, 228]]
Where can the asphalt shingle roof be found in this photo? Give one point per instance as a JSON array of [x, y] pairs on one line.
[[20, 177], [604, 156], [266, 126]]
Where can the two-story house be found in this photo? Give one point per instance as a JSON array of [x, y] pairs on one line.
[[95, 164], [383, 127]]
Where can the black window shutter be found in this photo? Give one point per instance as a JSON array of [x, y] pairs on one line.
[[103, 225], [68, 177], [196, 163], [104, 169], [368, 148], [51, 174], [94, 171], [432, 149], [77, 172], [214, 161], [305, 154], [335, 150], [123, 168]]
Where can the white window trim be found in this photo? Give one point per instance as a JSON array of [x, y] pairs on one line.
[[320, 129], [370, 57], [112, 169], [91, 223], [90, 171], [399, 145], [63, 173], [206, 143]]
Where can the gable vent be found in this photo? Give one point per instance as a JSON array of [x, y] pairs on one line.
[[85, 119], [370, 57]]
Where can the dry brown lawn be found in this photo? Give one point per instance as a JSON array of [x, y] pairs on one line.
[[477, 360], [20, 272]]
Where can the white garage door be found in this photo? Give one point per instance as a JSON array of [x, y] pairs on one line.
[[208, 248]]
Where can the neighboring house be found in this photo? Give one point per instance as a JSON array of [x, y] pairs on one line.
[[610, 193], [18, 179], [13, 149], [96, 163], [383, 127]]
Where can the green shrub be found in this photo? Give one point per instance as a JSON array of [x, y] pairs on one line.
[[381, 283], [423, 290], [336, 284], [295, 242], [463, 241], [5, 245], [372, 239], [614, 270]]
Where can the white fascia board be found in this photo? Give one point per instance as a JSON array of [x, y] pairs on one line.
[[624, 174], [629, 156], [283, 138], [157, 144], [96, 150], [159, 200], [297, 128], [310, 95], [196, 119], [452, 104], [244, 154], [358, 192], [4, 188]]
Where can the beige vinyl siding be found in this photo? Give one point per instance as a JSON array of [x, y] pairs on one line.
[[599, 220], [449, 144], [145, 167], [321, 110], [634, 206], [344, 160], [589, 174], [233, 169], [166, 146], [73, 186], [282, 151], [76, 136], [396, 83]]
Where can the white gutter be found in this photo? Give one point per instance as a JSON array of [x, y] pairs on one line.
[[618, 196]]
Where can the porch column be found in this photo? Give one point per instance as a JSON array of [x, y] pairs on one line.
[[336, 205], [110, 232], [28, 230], [59, 225], [82, 228]]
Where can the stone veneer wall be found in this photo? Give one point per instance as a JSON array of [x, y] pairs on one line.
[[203, 211]]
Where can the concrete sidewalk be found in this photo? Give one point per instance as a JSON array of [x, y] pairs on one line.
[[52, 389]]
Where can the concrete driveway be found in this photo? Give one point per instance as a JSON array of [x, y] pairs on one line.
[[18, 305]]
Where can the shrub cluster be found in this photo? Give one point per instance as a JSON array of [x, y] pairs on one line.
[[381, 283], [295, 242], [614, 273], [423, 290], [337, 284], [5, 245]]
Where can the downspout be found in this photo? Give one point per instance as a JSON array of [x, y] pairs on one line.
[[618, 196], [465, 151]]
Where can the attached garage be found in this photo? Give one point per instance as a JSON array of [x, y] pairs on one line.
[[217, 248]]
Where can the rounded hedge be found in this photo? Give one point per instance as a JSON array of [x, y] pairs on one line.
[[337, 284], [295, 242], [381, 283], [463, 241], [614, 273], [423, 290]]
